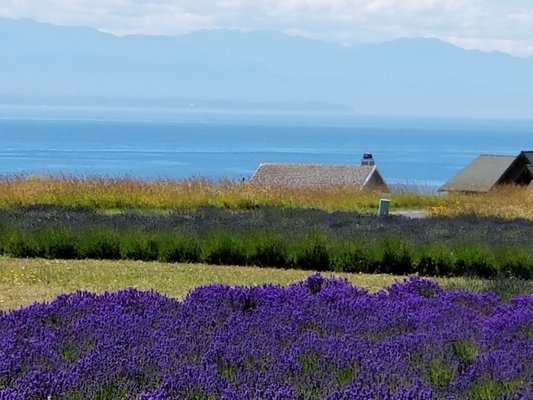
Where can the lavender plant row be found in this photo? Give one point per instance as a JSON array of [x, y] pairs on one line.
[[318, 339], [304, 239], [290, 222]]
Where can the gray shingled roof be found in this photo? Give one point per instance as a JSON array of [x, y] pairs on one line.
[[313, 175], [480, 175]]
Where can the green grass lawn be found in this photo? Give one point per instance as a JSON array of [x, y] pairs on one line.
[[24, 281]]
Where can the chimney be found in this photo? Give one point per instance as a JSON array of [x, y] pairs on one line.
[[367, 159]]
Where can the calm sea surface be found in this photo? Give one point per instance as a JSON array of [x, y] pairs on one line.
[[183, 144]]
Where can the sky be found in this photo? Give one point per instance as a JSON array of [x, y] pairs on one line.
[[504, 25]]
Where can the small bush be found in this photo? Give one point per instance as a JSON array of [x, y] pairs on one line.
[[3, 237], [351, 256], [515, 262], [99, 243], [475, 260], [268, 250], [179, 249], [225, 249], [58, 242], [138, 246], [397, 257], [20, 245], [435, 260], [313, 253]]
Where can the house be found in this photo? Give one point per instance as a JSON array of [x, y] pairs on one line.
[[364, 176], [488, 171]]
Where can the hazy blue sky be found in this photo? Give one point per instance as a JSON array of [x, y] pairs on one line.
[[505, 25]]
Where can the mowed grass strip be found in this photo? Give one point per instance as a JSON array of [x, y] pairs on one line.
[[25, 281]]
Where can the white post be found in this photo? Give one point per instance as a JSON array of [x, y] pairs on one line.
[[384, 205]]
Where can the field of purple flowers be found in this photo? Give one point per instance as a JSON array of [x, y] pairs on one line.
[[318, 339]]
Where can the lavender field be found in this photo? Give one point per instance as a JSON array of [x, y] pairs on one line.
[[292, 222], [318, 339], [275, 237]]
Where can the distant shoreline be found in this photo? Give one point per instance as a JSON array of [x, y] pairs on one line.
[[315, 112]]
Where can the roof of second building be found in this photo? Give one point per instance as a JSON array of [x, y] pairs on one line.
[[480, 175], [312, 174]]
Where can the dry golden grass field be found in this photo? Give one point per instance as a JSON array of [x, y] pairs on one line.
[[107, 193]]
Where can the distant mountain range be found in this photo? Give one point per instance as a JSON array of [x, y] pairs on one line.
[[47, 64]]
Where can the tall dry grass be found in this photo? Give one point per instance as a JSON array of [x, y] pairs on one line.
[[117, 193], [108, 193], [510, 201]]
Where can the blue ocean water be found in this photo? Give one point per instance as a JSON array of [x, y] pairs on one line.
[[183, 144]]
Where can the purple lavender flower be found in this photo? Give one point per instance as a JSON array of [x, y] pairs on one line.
[[317, 339]]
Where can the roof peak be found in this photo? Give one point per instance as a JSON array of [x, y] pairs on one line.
[[496, 155], [319, 165]]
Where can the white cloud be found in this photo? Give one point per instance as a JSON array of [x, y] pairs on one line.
[[483, 24]]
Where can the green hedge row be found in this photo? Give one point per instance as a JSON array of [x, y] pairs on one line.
[[313, 252]]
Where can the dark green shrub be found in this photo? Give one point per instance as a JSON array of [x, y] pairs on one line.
[[515, 262], [225, 249], [519, 269], [313, 253], [475, 260], [180, 249], [99, 243], [138, 246], [396, 258], [435, 260], [20, 245], [427, 266], [268, 250], [58, 242], [350, 256], [4, 233]]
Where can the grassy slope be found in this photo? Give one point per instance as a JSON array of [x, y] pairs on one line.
[[24, 281]]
